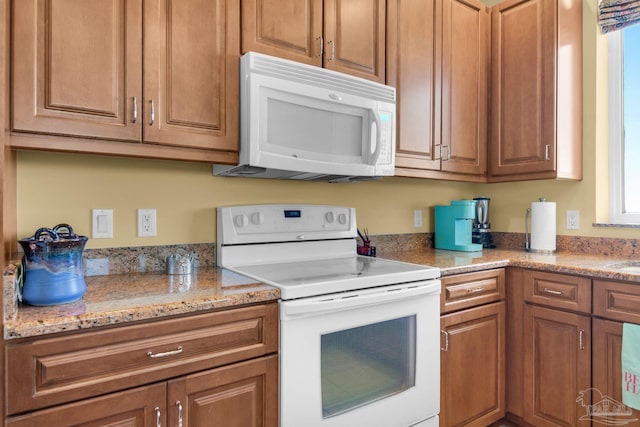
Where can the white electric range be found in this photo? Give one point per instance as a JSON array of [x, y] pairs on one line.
[[359, 336]]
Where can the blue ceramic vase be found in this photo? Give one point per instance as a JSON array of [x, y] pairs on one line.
[[54, 271]]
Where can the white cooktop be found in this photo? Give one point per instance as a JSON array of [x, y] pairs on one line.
[[305, 250], [299, 279]]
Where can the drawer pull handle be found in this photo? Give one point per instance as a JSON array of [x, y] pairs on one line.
[[475, 290], [165, 354], [581, 339], [446, 341], [158, 417], [553, 291]]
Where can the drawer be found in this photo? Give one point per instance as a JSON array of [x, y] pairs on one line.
[[558, 290], [50, 371], [616, 300], [471, 289]]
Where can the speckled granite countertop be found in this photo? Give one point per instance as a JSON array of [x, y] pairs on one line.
[[121, 298], [451, 262]]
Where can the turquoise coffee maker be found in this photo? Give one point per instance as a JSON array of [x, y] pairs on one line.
[[454, 226]]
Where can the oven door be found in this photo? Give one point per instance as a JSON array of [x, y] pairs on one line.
[[362, 358]]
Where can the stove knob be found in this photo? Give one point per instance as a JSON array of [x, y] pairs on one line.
[[241, 220], [330, 217], [342, 218], [257, 218]]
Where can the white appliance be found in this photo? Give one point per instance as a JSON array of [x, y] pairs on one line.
[[299, 121], [359, 336]]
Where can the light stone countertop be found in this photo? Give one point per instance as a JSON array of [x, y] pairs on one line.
[[452, 262], [121, 298]]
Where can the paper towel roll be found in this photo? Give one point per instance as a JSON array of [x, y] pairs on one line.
[[543, 226]]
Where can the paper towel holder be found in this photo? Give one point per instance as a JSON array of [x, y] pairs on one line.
[[527, 233]]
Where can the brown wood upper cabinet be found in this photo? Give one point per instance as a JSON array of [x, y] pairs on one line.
[[536, 85], [342, 35], [164, 73], [438, 54]]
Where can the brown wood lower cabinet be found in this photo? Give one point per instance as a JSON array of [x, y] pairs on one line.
[[607, 366], [473, 366], [212, 369], [557, 361], [241, 395], [138, 407]]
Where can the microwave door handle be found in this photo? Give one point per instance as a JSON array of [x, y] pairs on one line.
[[378, 123]]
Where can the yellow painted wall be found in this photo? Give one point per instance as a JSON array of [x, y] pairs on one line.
[[54, 188]]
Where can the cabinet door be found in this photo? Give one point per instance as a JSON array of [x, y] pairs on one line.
[[464, 85], [191, 66], [290, 29], [523, 87], [240, 395], [557, 357], [140, 407], [354, 36], [473, 366], [76, 67], [607, 368], [411, 51]]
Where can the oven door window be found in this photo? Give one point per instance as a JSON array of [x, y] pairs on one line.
[[368, 363]]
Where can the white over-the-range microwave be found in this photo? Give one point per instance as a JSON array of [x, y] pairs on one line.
[[299, 121]]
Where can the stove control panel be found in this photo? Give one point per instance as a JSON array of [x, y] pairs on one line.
[[280, 223]]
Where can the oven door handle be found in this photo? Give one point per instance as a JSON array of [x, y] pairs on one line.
[[350, 300]]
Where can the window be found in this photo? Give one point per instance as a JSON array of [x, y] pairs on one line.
[[624, 125]]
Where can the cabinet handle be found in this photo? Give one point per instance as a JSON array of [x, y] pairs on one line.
[[158, 421], [165, 354], [135, 110], [179, 405], [474, 290], [546, 152], [321, 45], [580, 339], [446, 341], [333, 50], [445, 147], [153, 113], [438, 150], [552, 291]]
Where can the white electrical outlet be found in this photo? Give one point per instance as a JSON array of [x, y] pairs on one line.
[[573, 220], [102, 223], [147, 223], [417, 218]]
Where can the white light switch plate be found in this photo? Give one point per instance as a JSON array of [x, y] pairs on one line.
[[102, 223]]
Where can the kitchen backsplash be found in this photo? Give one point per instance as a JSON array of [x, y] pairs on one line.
[[152, 258], [99, 262]]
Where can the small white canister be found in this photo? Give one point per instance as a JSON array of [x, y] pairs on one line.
[[542, 216]]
